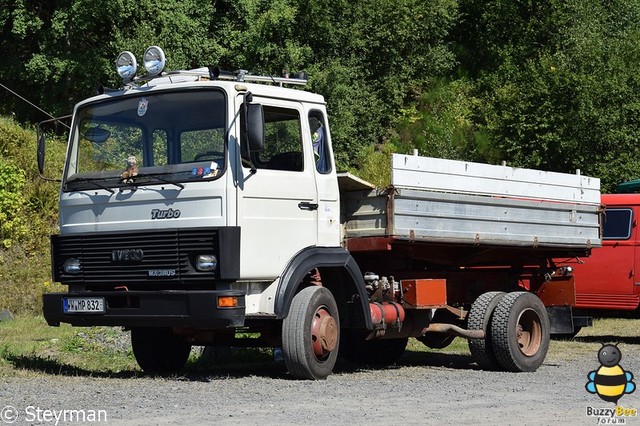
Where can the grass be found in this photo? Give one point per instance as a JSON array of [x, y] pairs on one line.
[[30, 348], [604, 330]]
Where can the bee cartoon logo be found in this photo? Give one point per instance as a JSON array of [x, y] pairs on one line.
[[610, 381]]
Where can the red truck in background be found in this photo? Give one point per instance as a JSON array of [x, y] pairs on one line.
[[607, 282]]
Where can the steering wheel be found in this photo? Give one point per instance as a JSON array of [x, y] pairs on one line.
[[214, 155]]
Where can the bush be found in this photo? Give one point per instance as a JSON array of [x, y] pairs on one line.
[[13, 227], [28, 215]]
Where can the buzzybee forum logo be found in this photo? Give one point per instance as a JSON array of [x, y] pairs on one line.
[[610, 381]]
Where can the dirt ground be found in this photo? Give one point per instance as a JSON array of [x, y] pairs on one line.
[[424, 388]]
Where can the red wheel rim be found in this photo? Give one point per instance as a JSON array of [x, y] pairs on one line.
[[324, 333], [529, 332]]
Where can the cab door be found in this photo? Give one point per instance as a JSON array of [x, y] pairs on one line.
[[277, 196], [326, 179], [608, 279]]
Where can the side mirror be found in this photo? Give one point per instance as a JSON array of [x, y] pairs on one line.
[[41, 151], [42, 142], [254, 126]]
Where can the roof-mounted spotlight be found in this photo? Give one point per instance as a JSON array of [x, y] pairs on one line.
[[154, 60], [126, 66]]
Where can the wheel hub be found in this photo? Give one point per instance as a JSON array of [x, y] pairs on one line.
[[324, 333], [529, 333]]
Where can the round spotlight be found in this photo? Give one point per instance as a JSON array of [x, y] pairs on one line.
[[126, 66], [154, 60]]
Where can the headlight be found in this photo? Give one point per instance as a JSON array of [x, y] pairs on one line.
[[72, 266], [126, 66], [206, 263], [154, 60]]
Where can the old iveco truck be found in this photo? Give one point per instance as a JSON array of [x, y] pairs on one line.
[[204, 208]]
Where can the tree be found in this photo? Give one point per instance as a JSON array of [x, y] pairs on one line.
[[60, 51], [367, 57], [559, 83]]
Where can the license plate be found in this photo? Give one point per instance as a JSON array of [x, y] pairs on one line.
[[72, 305]]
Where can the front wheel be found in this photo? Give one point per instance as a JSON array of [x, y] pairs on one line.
[[311, 334], [520, 332], [159, 350]]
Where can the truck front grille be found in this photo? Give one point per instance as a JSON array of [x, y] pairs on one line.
[[150, 257]]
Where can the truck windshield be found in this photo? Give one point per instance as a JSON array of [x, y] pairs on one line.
[[155, 138]]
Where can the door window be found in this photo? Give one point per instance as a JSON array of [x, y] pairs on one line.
[[617, 224], [320, 143], [282, 141]]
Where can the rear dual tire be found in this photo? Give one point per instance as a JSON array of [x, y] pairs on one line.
[[516, 329]]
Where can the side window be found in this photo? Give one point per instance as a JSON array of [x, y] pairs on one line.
[[282, 141], [617, 224], [319, 139]]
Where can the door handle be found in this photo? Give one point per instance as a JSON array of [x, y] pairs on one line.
[[305, 205]]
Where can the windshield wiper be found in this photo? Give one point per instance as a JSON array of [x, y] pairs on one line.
[[156, 177], [92, 181]]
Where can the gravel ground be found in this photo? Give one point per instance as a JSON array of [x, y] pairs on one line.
[[431, 389]]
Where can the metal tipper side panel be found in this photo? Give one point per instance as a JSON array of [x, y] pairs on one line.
[[485, 220], [515, 207]]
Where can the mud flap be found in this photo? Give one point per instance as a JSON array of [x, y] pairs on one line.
[[562, 321]]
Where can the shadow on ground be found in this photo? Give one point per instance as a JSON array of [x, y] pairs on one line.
[[630, 340], [206, 369], [54, 367]]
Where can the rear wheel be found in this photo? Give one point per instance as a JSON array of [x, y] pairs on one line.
[[520, 332], [159, 350], [479, 318], [311, 334]]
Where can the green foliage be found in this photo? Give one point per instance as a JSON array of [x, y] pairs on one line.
[[558, 83], [60, 51], [12, 221], [366, 57], [28, 215], [441, 123], [374, 164]]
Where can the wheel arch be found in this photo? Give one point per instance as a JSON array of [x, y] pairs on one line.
[[341, 275]]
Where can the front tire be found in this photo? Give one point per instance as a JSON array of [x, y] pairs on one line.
[[311, 334], [159, 350], [520, 332]]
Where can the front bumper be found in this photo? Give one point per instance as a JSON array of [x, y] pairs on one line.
[[150, 309]]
